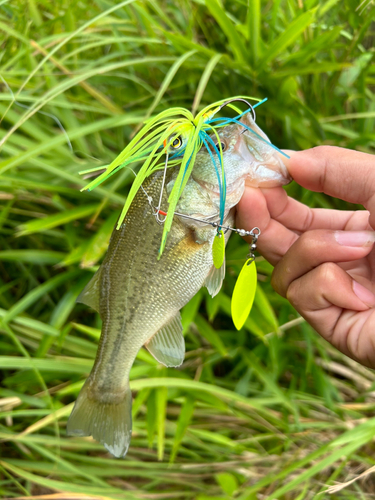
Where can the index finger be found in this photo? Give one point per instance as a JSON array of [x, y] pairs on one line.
[[282, 219], [252, 211], [342, 173]]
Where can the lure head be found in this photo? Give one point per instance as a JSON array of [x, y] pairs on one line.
[[247, 155]]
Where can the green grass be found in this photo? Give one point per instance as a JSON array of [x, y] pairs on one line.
[[270, 412]]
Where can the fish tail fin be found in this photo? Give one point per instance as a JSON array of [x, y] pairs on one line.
[[109, 422]]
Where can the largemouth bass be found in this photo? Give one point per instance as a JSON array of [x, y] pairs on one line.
[[139, 297]]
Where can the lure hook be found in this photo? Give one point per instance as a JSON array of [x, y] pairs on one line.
[[242, 100]]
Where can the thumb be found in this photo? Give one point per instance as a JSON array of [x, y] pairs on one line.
[[342, 173]]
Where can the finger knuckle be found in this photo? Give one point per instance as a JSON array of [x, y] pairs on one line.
[[308, 220], [293, 294], [306, 243], [322, 153], [275, 282], [327, 274], [281, 277], [301, 291]]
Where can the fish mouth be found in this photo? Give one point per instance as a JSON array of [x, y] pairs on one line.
[[267, 176], [266, 166]]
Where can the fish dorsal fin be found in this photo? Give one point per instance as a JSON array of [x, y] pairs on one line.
[[168, 345], [90, 294], [215, 279]]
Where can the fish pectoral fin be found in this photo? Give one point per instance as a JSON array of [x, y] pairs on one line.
[[215, 279], [168, 345], [90, 294]]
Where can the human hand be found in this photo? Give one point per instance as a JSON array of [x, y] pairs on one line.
[[324, 259]]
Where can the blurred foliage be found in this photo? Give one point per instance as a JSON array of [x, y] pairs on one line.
[[269, 412]]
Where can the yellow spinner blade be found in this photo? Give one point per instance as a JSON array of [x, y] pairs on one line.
[[244, 293], [218, 249]]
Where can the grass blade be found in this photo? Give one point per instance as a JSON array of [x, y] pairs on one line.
[[229, 29], [292, 32]]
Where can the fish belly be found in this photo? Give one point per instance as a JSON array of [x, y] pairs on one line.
[[139, 294]]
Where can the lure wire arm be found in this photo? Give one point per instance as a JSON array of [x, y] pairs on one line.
[[159, 220], [254, 233]]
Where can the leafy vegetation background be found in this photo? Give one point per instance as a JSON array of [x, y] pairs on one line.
[[270, 412]]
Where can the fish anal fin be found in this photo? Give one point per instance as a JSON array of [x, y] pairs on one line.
[[215, 279], [168, 345], [90, 294]]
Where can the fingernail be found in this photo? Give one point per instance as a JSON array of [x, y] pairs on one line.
[[364, 294], [355, 238]]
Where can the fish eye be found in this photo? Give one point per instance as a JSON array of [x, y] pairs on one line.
[[176, 143], [223, 146]]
